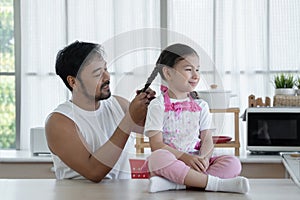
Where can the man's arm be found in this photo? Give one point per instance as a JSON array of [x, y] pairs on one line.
[[65, 141], [124, 103]]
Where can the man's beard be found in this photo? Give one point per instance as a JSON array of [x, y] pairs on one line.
[[102, 96], [105, 95]]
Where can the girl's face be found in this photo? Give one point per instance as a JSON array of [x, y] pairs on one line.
[[183, 77]]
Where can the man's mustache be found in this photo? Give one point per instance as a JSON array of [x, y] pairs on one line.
[[105, 84]]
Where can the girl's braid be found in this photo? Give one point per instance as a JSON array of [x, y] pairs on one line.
[[152, 77]]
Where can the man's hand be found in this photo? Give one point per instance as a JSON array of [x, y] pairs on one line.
[[195, 162], [138, 106], [150, 93]]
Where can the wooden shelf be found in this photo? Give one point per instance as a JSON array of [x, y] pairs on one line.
[[227, 110], [141, 144], [228, 144], [236, 140]]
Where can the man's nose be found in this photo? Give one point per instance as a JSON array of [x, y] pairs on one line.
[[106, 75]]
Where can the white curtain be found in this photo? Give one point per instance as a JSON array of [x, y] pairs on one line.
[[49, 25], [43, 33], [241, 43]]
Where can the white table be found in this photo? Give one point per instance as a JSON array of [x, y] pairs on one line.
[[292, 165], [50, 189]]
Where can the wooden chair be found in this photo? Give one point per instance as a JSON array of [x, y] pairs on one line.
[[140, 143]]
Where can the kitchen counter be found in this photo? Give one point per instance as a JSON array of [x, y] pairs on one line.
[[50, 189], [262, 166], [26, 156], [22, 164], [16, 156]]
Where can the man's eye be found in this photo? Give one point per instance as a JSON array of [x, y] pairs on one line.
[[98, 75]]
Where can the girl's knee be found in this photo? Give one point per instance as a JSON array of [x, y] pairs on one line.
[[233, 165], [163, 163], [159, 159], [225, 167]]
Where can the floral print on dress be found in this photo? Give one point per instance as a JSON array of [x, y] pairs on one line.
[[181, 123]]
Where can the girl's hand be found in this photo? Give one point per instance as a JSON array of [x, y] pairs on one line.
[[196, 162], [205, 163]]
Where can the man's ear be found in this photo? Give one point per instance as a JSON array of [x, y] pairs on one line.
[[72, 81]]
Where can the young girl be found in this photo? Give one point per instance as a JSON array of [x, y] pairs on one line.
[[175, 122]]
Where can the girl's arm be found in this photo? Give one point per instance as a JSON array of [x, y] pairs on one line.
[[207, 145]]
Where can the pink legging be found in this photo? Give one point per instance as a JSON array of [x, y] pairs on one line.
[[163, 163]]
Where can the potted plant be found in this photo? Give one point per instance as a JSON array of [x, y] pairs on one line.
[[284, 84]]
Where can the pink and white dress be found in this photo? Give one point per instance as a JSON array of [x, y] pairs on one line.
[[180, 120]]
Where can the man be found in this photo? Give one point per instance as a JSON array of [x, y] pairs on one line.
[[87, 135]]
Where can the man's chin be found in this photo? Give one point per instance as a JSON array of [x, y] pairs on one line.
[[103, 96]]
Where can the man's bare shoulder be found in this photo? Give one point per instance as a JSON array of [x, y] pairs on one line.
[[57, 117], [59, 129], [57, 122]]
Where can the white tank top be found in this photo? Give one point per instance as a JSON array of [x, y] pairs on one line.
[[96, 128]]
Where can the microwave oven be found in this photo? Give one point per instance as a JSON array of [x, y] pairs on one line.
[[273, 129]]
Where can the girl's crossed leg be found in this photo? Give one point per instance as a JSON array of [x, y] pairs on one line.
[[164, 165]]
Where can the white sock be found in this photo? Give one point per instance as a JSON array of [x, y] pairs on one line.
[[158, 184], [238, 184]]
